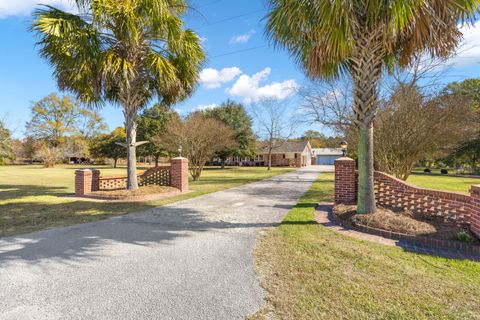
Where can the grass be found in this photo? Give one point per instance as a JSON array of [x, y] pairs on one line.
[[33, 198], [311, 272], [447, 183]]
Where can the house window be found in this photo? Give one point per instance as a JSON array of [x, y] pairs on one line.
[[296, 154], [284, 156]]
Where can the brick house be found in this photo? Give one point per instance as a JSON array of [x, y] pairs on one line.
[[285, 154]]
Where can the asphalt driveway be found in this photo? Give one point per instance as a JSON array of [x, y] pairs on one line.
[[187, 260]]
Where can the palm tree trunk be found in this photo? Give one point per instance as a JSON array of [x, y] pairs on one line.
[[131, 130], [366, 72], [366, 195]]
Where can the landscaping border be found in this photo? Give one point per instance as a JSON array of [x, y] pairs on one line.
[[139, 198], [422, 241]]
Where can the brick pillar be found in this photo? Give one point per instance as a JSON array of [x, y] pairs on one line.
[[179, 173], [95, 179], [345, 180], [86, 181], [475, 205]]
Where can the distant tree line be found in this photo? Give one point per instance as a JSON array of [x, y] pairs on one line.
[[62, 129], [418, 121]]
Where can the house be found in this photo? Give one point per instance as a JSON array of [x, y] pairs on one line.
[[284, 154], [288, 154], [326, 155]]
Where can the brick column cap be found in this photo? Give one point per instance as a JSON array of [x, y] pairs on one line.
[[86, 171], [345, 159], [179, 158], [83, 171]]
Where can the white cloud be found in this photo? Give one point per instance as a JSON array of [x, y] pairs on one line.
[[243, 38], [468, 52], [212, 78], [25, 7], [203, 107], [248, 88]]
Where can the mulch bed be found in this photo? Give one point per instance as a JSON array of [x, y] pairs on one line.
[[146, 193], [403, 222]]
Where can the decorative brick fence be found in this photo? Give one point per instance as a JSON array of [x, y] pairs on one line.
[[174, 175], [159, 176], [463, 209]]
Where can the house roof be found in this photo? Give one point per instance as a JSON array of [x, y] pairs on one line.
[[285, 147], [327, 151]]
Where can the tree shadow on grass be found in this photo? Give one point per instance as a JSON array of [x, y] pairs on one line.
[[82, 242], [17, 191]]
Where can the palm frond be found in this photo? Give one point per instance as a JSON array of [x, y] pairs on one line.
[[121, 51], [323, 35]]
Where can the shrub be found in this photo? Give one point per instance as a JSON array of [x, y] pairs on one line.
[[464, 236], [426, 170], [50, 155], [444, 171]]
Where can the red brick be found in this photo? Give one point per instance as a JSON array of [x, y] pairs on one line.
[[179, 173]]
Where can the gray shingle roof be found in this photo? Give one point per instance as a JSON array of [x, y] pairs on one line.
[[284, 147]]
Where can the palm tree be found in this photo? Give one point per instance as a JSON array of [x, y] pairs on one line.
[[362, 38], [125, 52]]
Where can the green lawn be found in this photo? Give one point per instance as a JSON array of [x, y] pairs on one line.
[[32, 198], [448, 183], [311, 272]]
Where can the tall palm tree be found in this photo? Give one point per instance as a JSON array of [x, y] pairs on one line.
[[125, 52], [362, 38]]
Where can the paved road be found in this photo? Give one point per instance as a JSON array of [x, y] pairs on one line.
[[187, 260]]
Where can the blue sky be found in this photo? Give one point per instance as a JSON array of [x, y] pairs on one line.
[[227, 27]]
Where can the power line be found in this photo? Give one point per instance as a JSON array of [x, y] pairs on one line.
[[239, 51], [230, 18], [209, 3]]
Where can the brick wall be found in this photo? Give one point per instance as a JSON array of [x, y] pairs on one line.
[[175, 175], [451, 206], [462, 209], [475, 207]]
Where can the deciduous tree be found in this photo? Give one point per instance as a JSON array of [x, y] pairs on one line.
[[234, 116], [276, 124], [90, 123], [151, 123], [30, 147], [411, 126], [199, 137], [50, 155], [106, 145], [53, 117], [5, 143]]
